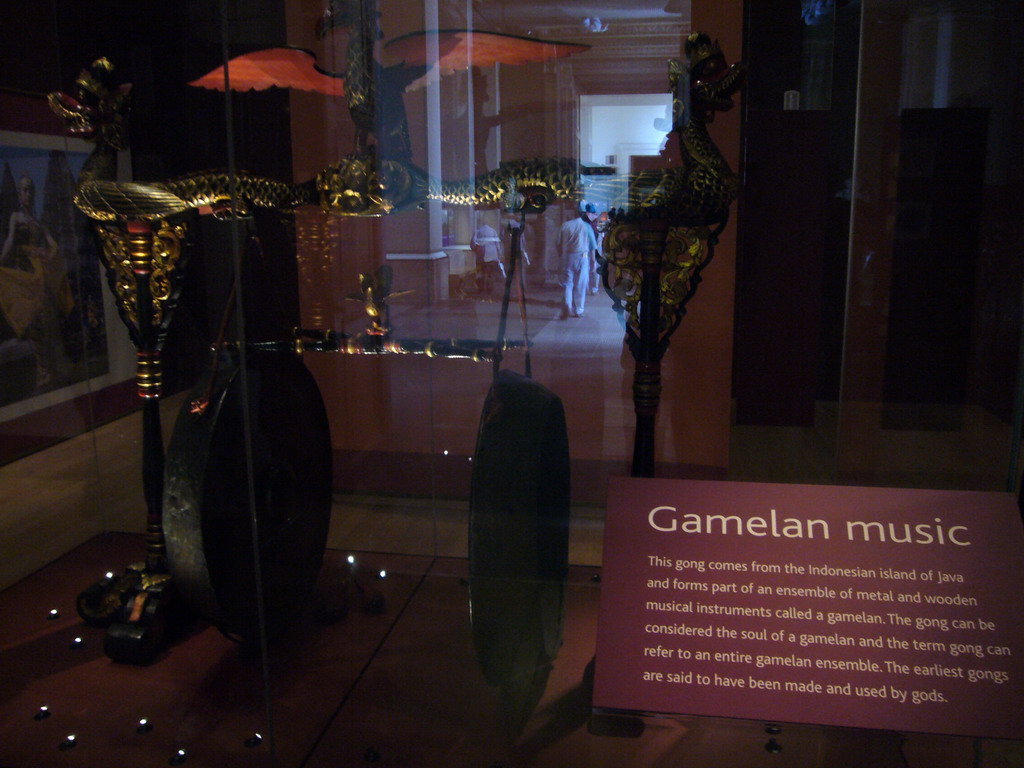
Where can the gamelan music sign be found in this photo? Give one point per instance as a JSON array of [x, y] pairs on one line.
[[881, 608]]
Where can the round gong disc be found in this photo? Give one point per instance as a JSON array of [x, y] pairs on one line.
[[519, 540], [208, 514]]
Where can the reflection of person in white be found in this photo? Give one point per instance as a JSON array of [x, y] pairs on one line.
[[487, 246], [575, 242]]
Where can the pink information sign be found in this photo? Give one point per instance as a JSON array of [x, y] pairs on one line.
[[877, 608]]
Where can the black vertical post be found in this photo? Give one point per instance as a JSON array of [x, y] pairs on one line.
[[647, 374], [149, 383]]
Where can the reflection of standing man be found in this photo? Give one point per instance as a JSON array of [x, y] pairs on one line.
[[34, 290], [575, 242], [487, 246]]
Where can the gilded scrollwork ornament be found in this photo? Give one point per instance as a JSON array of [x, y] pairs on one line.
[[114, 252], [158, 263], [166, 263], [685, 254]]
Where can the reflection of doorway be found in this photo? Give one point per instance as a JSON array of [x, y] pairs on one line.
[[624, 130]]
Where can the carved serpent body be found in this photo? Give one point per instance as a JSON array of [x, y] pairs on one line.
[[360, 186], [696, 193]]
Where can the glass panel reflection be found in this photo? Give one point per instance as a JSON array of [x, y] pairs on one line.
[[377, 197]]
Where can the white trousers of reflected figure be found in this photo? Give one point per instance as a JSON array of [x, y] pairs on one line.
[[575, 282]]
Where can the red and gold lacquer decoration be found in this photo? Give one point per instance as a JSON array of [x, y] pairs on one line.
[[143, 256], [143, 261]]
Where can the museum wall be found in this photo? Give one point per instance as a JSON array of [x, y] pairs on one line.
[[932, 328]]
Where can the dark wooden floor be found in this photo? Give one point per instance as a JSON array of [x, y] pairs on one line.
[[402, 688]]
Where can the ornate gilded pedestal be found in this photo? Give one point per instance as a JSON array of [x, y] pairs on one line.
[[143, 256]]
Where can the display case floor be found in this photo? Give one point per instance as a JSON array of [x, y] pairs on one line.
[[400, 688]]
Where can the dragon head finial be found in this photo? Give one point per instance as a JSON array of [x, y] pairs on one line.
[[712, 81], [99, 109], [703, 54]]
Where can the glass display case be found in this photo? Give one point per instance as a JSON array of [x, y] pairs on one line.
[[326, 324]]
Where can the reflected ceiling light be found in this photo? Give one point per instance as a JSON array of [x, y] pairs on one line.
[[594, 24]]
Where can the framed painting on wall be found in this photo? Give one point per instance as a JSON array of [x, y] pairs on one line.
[[58, 332]]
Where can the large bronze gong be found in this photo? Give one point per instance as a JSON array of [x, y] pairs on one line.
[[208, 515], [519, 540]]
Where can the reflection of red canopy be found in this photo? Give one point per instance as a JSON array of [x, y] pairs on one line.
[[462, 48], [280, 67], [458, 49]]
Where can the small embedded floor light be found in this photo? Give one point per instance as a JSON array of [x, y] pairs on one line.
[[254, 741], [76, 643], [69, 741], [144, 726], [178, 758], [383, 573], [351, 559], [54, 614], [42, 713]]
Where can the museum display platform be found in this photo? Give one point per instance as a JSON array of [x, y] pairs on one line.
[[401, 687]]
